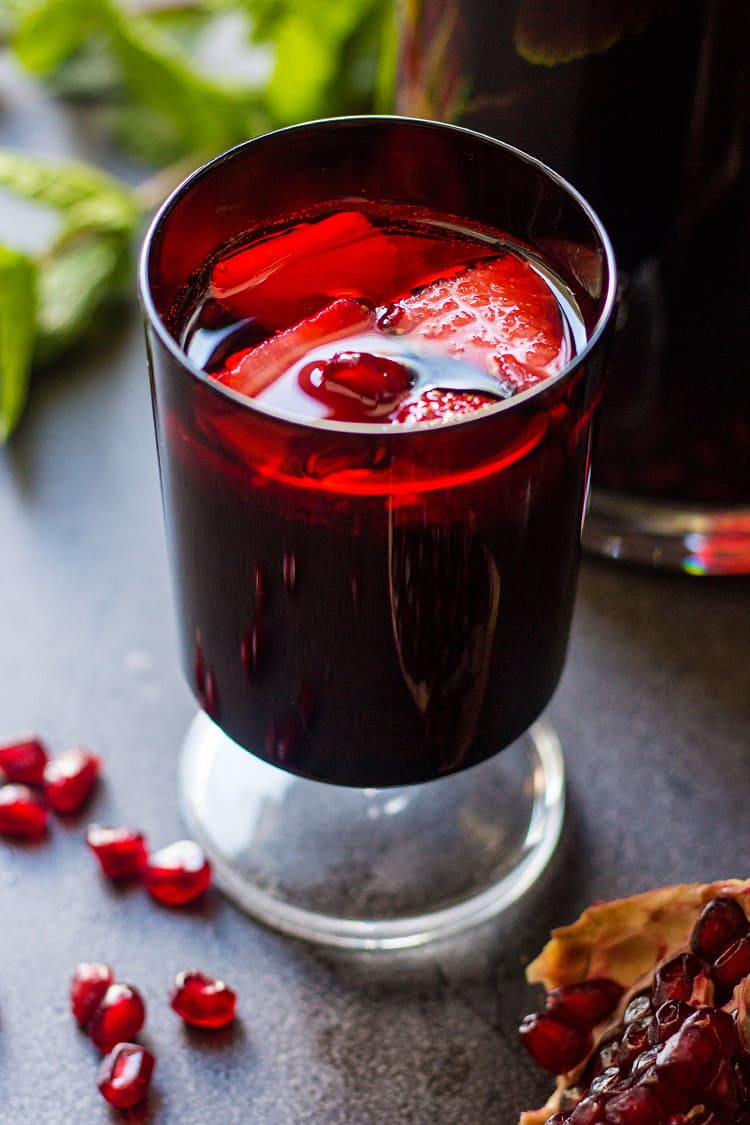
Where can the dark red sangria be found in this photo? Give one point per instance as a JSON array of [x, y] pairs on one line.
[[645, 107], [376, 349]]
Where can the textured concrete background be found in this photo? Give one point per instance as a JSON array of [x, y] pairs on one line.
[[653, 711]]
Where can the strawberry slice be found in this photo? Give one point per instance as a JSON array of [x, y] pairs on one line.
[[252, 370], [286, 277], [499, 314], [437, 405], [281, 279]]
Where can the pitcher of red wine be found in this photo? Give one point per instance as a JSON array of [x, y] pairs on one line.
[[642, 105]]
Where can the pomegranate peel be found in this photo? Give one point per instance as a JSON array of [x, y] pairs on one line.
[[627, 941]]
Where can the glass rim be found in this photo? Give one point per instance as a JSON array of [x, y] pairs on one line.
[[379, 429]]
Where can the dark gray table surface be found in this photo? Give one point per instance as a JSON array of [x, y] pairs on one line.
[[653, 711]]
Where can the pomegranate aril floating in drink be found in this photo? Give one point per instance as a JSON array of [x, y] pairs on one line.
[[177, 874], [119, 1015], [122, 852], [125, 1074], [23, 813], [23, 760], [87, 989], [70, 778], [202, 1000]]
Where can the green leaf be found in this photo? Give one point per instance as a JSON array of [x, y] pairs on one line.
[[50, 31], [17, 327], [86, 197], [73, 285], [553, 32], [206, 116]]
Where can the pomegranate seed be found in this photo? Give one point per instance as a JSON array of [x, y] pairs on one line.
[[587, 1112], [667, 1019], [125, 1074], [633, 1042], [23, 813], [203, 1001], [605, 1081], [674, 979], [119, 1016], [587, 1003], [637, 1106], [87, 988], [556, 1045], [121, 852], [721, 921], [725, 1090], [69, 779], [638, 1007], [690, 1059], [733, 964], [178, 873], [23, 760]]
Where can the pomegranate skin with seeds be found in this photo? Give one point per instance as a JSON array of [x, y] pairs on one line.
[[202, 1000], [177, 874], [23, 759], [125, 1074], [675, 1050], [23, 813], [70, 778], [119, 1016], [122, 852], [87, 989]]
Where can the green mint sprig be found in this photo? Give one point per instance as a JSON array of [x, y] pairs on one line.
[[139, 62]]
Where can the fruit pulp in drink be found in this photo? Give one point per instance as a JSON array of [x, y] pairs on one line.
[[381, 567]]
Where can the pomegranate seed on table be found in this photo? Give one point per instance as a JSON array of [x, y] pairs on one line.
[[23, 813], [122, 852], [177, 874], [202, 1000], [119, 1016], [87, 989], [125, 1074], [23, 760], [69, 779]]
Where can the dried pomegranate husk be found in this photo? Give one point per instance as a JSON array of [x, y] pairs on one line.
[[626, 941]]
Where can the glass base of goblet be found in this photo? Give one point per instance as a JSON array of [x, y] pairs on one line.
[[373, 868], [696, 539]]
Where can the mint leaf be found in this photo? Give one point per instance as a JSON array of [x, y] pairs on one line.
[[85, 197], [74, 284], [17, 328], [553, 33], [50, 31], [205, 116]]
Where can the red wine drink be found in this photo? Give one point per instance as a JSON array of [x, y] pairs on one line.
[[645, 107], [376, 350]]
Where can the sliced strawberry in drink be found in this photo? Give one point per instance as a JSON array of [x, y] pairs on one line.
[[438, 405], [252, 370], [284, 278], [499, 314]]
